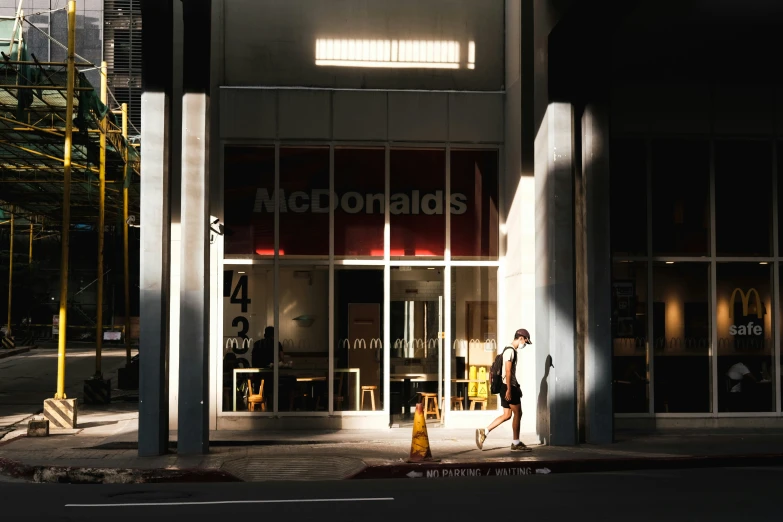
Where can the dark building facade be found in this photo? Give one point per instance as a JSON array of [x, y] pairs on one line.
[[393, 190]]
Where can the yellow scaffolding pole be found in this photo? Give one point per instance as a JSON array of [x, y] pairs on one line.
[[101, 222], [30, 256], [125, 227], [63, 325], [11, 273]]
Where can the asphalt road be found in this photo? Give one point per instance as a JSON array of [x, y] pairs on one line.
[[712, 495], [27, 379]]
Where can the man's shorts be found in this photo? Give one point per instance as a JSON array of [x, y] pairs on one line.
[[516, 396]]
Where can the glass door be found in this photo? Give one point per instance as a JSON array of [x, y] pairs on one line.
[[417, 323]]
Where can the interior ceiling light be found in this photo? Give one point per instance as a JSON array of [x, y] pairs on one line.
[[423, 54]]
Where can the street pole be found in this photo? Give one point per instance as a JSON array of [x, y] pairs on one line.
[[101, 221], [66, 204], [30, 255], [11, 273], [125, 227]]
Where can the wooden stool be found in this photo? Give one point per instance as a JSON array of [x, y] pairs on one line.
[[457, 403], [430, 400], [371, 391], [253, 399], [481, 400]]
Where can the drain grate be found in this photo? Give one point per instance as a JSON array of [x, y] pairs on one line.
[[293, 468]]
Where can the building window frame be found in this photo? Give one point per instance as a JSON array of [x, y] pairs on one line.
[[330, 261], [713, 259]]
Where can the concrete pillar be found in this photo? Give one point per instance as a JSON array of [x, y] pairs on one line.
[[193, 421], [599, 414], [176, 198], [155, 227], [555, 281]]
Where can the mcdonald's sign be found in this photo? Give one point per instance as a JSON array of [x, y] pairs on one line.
[[749, 328]]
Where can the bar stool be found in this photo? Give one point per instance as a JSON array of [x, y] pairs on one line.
[[371, 391], [253, 399], [430, 400], [457, 403], [479, 400]]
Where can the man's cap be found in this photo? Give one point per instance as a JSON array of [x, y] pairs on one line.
[[523, 333]]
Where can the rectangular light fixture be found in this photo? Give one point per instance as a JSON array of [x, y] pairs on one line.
[[396, 54]]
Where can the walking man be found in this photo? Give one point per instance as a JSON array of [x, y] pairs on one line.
[[510, 393]]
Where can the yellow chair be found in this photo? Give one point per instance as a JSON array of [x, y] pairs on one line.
[[258, 398]]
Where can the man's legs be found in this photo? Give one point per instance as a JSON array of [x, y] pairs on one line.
[[481, 434], [500, 420], [515, 424]]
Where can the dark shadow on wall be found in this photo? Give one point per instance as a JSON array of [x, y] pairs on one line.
[[542, 410]]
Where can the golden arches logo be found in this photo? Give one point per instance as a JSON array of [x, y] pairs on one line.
[[745, 298]]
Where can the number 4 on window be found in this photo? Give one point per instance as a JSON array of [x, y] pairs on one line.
[[239, 296]]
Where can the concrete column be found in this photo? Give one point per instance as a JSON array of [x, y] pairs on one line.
[[155, 227], [599, 414], [555, 281], [193, 422]]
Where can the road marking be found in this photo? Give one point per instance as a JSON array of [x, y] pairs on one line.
[[223, 502]]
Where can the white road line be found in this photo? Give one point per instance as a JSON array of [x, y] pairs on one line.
[[222, 502]]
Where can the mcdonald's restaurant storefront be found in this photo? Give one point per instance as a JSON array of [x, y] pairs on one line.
[[345, 310], [696, 299]]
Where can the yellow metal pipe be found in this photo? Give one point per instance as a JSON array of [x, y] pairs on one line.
[[30, 256], [125, 228], [63, 326], [55, 158], [101, 224], [11, 273]]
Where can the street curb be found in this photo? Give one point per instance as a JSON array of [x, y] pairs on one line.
[[449, 469], [69, 475], [16, 351]]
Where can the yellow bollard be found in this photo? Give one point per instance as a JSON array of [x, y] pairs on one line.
[[420, 444]]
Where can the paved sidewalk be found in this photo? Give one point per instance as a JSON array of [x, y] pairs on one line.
[[104, 449]]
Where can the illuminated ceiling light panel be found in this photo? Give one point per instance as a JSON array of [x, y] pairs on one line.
[[423, 54]]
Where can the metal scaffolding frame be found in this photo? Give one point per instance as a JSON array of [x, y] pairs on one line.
[[65, 157]]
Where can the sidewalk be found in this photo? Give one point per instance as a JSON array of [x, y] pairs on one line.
[[104, 449]]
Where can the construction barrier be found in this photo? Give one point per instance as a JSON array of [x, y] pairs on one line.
[[8, 343], [61, 413]]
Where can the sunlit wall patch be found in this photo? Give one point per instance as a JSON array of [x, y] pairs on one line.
[[423, 54]]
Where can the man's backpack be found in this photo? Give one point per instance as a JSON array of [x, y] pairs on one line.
[[496, 371]]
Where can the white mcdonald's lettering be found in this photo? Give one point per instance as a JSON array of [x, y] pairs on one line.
[[317, 201]]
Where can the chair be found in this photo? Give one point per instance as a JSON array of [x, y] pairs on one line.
[[457, 403], [338, 393], [371, 391], [478, 400], [430, 401], [253, 399]]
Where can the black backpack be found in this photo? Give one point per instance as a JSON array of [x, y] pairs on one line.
[[496, 371]]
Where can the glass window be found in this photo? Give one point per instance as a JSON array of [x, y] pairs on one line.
[[417, 320], [304, 339], [629, 338], [629, 197], [474, 343], [358, 347], [680, 199], [359, 218], [681, 337], [304, 202], [474, 204], [746, 365], [417, 206], [248, 313], [743, 198], [249, 181]]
